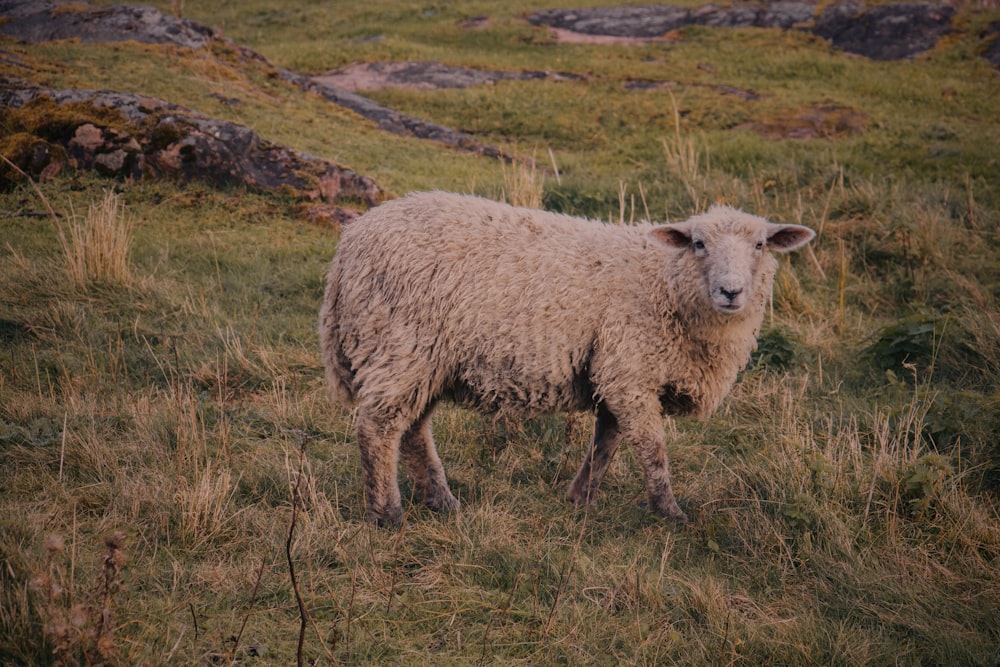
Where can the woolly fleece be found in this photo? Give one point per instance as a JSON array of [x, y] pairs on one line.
[[511, 310]]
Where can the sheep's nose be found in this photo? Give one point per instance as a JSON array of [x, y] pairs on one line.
[[731, 294]]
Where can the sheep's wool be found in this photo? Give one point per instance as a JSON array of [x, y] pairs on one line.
[[512, 310]]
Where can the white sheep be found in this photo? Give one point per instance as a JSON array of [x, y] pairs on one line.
[[511, 310]]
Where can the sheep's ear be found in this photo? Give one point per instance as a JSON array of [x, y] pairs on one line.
[[785, 238], [676, 236]]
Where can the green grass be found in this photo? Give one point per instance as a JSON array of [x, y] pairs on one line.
[[844, 498]]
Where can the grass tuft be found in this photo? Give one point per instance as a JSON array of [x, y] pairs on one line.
[[523, 183]]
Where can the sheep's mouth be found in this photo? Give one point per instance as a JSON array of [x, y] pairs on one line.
[[729, 308]]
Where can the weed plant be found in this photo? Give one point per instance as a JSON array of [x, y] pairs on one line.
[[176, 488]]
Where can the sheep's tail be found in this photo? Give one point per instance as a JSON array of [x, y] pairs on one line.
[[338, 368]]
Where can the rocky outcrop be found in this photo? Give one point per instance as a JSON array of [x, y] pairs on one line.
[[883, 32], [657, 20], [992, 50], [136, 137], [44, 20], [391, 120]]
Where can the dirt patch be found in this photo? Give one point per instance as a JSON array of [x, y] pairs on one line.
[[564, 36], [423, 76], [820, 121]]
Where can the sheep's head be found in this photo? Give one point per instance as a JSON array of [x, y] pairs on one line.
[[730, 248]]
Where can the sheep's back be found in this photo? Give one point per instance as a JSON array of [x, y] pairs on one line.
[[493, 305]]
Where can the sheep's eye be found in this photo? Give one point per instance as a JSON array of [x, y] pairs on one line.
[[760, 245], [699, 245]]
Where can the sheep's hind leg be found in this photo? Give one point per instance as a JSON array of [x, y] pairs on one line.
[[424, 466], [379, 442], [605, 443]]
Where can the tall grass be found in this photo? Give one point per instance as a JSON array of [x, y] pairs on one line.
[[844, 497], [686, 161], [834, 522], [98, 244], [523, 183]]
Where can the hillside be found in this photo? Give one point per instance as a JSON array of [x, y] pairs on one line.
[[176, 488]]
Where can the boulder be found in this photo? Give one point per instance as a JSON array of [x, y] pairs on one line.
[[134, 136]]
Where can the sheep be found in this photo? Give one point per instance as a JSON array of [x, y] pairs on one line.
[[515, 311]]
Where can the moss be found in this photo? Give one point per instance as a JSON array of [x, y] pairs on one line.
[[30, 154], [72, 8], [163, 135], [44, 118]]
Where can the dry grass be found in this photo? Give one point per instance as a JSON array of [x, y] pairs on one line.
[[844, 498], [523, 183], [97, 246], [686, 162], [829, 525]]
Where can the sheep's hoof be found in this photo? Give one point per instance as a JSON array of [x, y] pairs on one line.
[[443, 503], [679, 519], [673, 514], [387, 518], [581, 495]]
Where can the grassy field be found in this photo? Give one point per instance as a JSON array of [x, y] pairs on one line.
[[176, 488]]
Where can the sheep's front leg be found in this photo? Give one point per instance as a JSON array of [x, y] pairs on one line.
[[645, 431], [424, 467], [379, 442], [607, 437]]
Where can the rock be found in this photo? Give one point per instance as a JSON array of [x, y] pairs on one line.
[[654, 21], [391, 120], [783, 15], [638, 22], [110, 164], [108, 151], [992, 50], [44, 20], [153, 138], [884, 32]]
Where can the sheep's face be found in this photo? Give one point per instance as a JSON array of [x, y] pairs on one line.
[[730, 249]]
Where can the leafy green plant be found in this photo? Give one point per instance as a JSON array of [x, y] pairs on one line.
[[911, 340], [778, 348], [800, 512], [922, 481]]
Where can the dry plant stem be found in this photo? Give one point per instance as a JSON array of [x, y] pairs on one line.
[[350, 616], [555, 167], [303, 612], [505, 610], [194, 618], [395, 570], [253, 600], [566, 573]]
